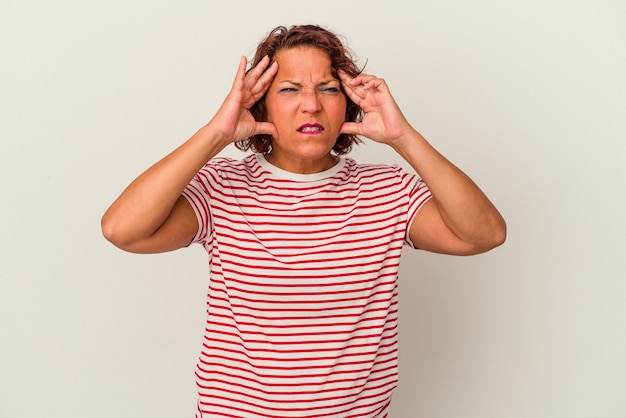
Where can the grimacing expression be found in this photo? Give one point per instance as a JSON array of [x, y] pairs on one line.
[[306, 105]]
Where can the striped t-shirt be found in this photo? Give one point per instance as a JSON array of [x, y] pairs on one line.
[[302, 302]]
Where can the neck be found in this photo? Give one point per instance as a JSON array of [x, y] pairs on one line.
[[303, 166]]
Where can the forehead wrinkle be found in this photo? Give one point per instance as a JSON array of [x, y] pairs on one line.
[[303, 69]]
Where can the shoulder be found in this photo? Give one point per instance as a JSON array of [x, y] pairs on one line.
[[355, 166], [226, 167], [226, 163], [390, 178], [370, 170]]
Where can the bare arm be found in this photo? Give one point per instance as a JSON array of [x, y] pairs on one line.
[[459, 219], [151, 215]]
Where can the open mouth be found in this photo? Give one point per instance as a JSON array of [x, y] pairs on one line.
[[311, 128]]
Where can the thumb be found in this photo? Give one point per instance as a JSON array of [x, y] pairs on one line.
[[265, 128], [351, 128]]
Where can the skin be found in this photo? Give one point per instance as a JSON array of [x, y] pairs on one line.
[[151, 215], [306, 106], [459, 219]]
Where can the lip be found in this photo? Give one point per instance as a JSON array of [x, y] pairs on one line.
[[311, 129]]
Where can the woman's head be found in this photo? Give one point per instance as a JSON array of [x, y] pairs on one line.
[[282, 38]]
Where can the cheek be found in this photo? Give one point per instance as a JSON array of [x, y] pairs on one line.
[[342, 104], [269, 110], [278, 110], [339, 110]]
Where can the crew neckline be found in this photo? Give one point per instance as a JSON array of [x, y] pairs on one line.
[[284, 174]]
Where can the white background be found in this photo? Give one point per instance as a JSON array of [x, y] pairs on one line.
[[528, 97]]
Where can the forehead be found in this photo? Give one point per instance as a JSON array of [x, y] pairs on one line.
[[303, 62]]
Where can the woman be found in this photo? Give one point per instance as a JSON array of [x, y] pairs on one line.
[[304, 244]]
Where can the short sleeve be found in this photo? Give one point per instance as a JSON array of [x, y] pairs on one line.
[[197, 193], [418, 194]]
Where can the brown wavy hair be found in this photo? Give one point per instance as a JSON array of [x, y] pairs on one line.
[[341, 59]]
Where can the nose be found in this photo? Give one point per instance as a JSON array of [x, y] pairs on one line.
[[310, 101]]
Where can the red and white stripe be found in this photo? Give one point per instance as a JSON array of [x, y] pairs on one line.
[[303, 300]]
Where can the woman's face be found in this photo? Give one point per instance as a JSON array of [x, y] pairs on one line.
[[306, 105]]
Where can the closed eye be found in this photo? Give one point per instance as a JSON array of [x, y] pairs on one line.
[[330, 89]]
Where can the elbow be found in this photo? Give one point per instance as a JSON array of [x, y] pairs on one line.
[[492, 237], [497, 235], [109, 230], [113, 232]]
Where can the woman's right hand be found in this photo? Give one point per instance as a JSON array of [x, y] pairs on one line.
[[151, 215], [233, 119]]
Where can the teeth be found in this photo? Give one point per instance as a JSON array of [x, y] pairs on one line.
[[311, 129]]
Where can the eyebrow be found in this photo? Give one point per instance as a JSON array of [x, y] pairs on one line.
[[322, 83]]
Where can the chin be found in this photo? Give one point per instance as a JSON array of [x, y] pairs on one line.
[[317, 148], [314, 155]]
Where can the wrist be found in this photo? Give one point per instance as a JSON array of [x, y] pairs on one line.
[[406, 140], [211, 134]]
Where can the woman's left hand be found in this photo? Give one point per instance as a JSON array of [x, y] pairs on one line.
[[459, 219], [383, 121]]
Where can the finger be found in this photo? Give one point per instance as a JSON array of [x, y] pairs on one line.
[[350, 83], [351, 128], [258, 80], [265, 128], [356, 80], [241, 73], [349, 89], [348, 79], [372, 84], [367, 82], [357, 88], [265, 80], [258, 69], [344, 76]]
